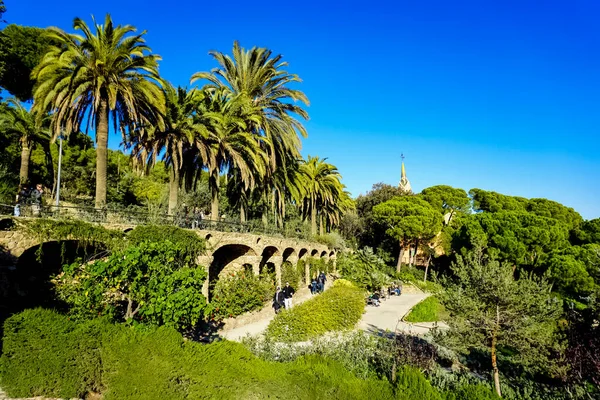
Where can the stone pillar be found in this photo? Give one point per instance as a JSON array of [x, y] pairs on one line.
[[307, 270], [278, 262]]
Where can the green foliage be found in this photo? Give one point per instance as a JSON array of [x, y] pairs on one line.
[[589, 232], [364, 268], [338, 308], [21, 49], [408, 218], [332, 240], [241, 292], [429, 310], [45, 354], [189, 242], [126, 363], [292, 273], [488, 306], [446, 199], [154, 282]]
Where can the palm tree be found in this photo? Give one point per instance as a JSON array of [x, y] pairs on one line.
[[228, 145], [322, 184], [31, 130], [94, 78], [257, 79], [177, 138]]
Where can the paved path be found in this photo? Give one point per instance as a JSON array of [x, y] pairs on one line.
[[387, 316]]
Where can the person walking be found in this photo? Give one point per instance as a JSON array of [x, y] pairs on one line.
[[36, 199], [288, 292], [322, 278], [278, 300], [313, 286]]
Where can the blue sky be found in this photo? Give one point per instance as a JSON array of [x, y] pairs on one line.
[[499, 95]]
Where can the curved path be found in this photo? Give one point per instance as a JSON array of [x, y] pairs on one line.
[[376, 320]]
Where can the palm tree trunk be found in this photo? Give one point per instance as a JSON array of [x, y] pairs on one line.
[[173, 189], [214, 190], [321, 224], [25, 155], [313, 216], [49, 164], [101, 152], [242, 212]]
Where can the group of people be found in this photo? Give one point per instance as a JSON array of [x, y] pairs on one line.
[[28, 196], [318, 283], [283, 297]]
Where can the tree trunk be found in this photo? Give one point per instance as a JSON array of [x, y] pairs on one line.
[[101, 152], [321, 224], [400, 254], [25, 155], [313, 217], [494, 360], [426, 268], [214, 190], [173, 189], [50, 164]]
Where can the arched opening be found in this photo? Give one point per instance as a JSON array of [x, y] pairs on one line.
[[302, 253], [6, 224], [332, 254], [314, 253], [225, 256], [208, 237], [29, 284], [127, 230], [258, 241], [287, 253], [266, 264], [323, 254]]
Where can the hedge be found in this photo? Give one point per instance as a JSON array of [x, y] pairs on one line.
[[336, 309], [429, 310], [47, 354]]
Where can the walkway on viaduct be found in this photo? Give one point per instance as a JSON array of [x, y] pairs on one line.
[[226, 251]]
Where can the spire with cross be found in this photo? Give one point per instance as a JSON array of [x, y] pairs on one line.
[[404, 182]]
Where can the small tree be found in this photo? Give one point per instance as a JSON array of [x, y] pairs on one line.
[[492, 311]]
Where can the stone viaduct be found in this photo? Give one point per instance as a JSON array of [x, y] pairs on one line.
[[226, 251]]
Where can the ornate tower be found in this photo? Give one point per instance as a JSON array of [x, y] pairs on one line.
[[404, 182]]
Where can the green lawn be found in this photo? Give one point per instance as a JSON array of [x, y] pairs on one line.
[[429, 310]]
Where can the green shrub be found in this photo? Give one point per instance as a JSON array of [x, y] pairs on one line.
[[412, 384], [241, 292], [189, 242], [338, 308], [153, 282], [472, 392], [332, 240], [291, 273], [45, 353], [429, 310], [364, 268]]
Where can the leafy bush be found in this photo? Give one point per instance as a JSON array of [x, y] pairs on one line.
[[414, 276], [332, 240], [152, 282], [189, 242], [337, 309], [412, 384], [44, 353], [241, 292], [364, 268], [429, 310], [292, 273]]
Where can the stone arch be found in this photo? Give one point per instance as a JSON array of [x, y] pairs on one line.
[[302, 253], [267, 259], [258, 241], [208, 237], [323, 254], [127, 230], [332, 254], [6, 224], [314, 252], [288, 253], [234, 255]]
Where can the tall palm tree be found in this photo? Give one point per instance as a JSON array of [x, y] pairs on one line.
[[31, 131], [227, 143], [322, 184], [256, 78], [97, 77], [177, 138]]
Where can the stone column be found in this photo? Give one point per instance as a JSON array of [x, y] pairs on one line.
[[205, 262], [278, 262]]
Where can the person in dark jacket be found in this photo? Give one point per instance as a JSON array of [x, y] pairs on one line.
[[278, 300], [36, 199], [313, 286], [288, 292], [322, 278]]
